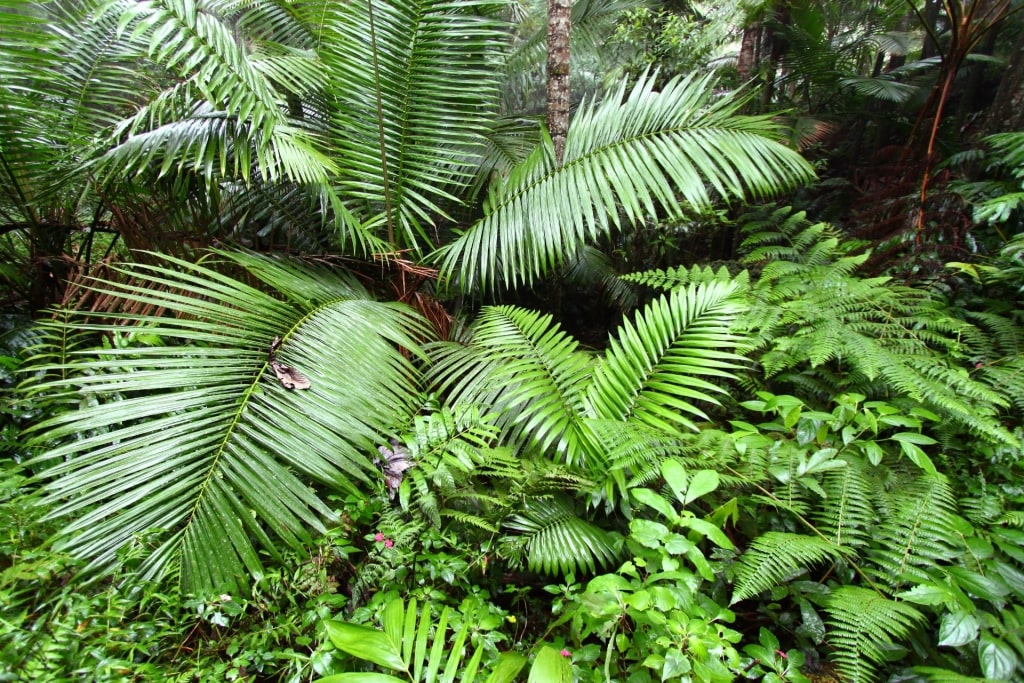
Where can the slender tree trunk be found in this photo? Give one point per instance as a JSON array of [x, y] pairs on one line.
[[748, 55], [931, 19], [559, 16]]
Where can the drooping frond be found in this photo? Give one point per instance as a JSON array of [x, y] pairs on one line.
[[776, 557], [863, 623], [524, 368], [883, 87], [417, 85], [558, 541], [658, 365], [225, 111], [632, 156], [197, 440]]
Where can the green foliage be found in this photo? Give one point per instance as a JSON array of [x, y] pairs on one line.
[[420, 91], [822, 326], [654, 619], [657, 364], [776, 557], [415, 645], [53, 628], [557, 540], [864, 628], [634, 153], [771, 664], [182, 438]]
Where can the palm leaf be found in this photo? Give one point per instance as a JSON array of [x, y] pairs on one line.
[[655, 368], [224, 114], [628, 157], [558, 541], [196, 445], [419, 87], [419, 646]]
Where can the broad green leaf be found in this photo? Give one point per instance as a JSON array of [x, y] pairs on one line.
[[508, 667], [958, 628], [702, 483], [676, 477], [366, 643], [550, 667], [654, 500], [918, 456], [998, 660]]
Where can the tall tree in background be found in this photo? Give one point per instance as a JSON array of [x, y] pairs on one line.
[[559, 23]]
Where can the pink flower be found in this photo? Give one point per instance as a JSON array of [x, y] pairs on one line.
[[565, 653], [378, 537], [389, 543]]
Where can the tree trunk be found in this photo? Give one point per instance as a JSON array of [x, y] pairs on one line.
[[747, 57], [559, 16], [1007, 110]]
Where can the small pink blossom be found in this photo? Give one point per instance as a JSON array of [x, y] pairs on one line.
[[378, 537], [565, 653], [389, 543]]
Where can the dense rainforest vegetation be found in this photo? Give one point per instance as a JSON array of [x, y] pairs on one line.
[[496, 340]]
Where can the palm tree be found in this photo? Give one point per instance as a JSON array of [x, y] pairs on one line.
[[370, 119]]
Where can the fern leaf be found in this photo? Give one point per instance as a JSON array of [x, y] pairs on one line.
[[918, 531], [863, 623], [847, 516], [776, 557]]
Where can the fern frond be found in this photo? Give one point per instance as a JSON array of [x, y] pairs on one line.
[[846, 515], [919, 529], [863, 623], [776, 557], [675, 277]]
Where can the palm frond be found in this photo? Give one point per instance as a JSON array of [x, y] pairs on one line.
[[419, 85], [197, 443], [628, 157], [655, 367], [883, 88], [560, 542], [225, 111]]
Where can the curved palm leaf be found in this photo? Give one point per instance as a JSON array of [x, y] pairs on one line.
[[653, 370], [560, 541], [420, 84], [225, 110], [527, 370], [198, 445], [626, 157]]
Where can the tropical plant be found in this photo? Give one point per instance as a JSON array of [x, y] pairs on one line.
[[180, 439], [415, 645], [887, 540]]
